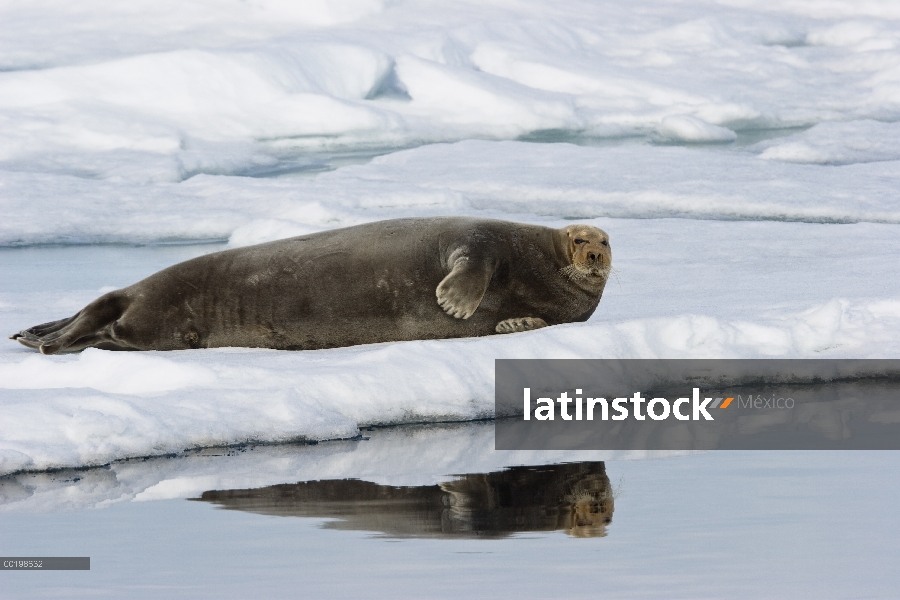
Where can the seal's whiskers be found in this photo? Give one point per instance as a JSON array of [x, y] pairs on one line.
[[576, 272]]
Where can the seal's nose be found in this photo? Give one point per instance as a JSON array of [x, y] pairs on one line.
[[592, 257]]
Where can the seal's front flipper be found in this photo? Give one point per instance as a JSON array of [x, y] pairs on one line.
[[523, 324], [461, 291]]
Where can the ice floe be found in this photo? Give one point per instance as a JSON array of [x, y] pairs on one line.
[[741, 154]]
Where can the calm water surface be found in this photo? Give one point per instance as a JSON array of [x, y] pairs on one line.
[[708, 525]]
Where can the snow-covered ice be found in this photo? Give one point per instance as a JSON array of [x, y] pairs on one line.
[[688, 128], [161, 91], [405, 456], [773, 290], [838, 144], [742, 155], [516, 180]]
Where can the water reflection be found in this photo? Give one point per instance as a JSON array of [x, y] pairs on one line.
[[576, 498]]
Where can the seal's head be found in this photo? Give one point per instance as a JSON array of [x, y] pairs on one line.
[[589, 254]]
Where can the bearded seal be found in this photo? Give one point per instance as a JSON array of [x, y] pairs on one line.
[[403, 279]]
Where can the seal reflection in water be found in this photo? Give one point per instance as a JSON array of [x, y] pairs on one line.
[[404, 279], [576, 498]]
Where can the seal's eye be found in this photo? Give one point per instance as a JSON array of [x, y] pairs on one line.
[[580, 241], [605, 243]]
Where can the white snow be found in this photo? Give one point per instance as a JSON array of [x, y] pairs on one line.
[[691, 129], [502, 179], [742, 155], [838, 144], [161, 91]]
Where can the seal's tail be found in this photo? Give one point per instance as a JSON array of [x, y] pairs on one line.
[[91, 326]]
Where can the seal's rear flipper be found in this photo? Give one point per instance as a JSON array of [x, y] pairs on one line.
[[92, 326], [27, 339], [38, 331]]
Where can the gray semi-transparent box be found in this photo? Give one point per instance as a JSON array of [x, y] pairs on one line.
[[697, 404], [45, 563]]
